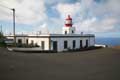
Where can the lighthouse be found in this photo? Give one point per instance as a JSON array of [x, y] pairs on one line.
[[68, 29], [68, 40]]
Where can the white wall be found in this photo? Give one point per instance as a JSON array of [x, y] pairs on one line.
[[22, 38], [38, 41], [60, 42], [92, 41], [17, 38], [69, 30]]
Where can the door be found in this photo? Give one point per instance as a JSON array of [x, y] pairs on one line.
[[74, 44], [81, 45], [42, 45], [54, 45], [19, 41], [86, 43]]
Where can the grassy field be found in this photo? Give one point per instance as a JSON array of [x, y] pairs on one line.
[[100, 64]]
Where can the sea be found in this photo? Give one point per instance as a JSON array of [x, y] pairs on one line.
[[108, 41]]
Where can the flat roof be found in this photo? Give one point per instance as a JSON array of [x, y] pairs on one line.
[[54, 35]]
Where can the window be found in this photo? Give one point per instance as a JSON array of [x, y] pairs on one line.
[[32, 42], [42, 45], [55, 45], [19, 41], [86, 43], [26, 41], [65, 44], [74, 43], [72, 31], [81, 44], [65, 32]]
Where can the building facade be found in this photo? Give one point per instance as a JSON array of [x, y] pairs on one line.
[[59, 42]]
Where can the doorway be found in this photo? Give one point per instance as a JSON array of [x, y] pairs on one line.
[[54, 45], [86, 43], [81, 45], [19, 41], [42, 45]]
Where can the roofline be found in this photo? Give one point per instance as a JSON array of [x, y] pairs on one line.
[[55, 36]]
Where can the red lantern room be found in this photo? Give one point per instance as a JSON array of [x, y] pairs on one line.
[[68, 22]]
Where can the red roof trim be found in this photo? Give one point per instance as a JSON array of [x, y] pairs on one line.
[[68, 25]]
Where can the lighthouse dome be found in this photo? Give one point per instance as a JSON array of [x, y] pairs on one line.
[[68, 21], [68, 18]]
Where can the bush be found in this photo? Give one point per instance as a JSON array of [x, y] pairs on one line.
[[27, 45], [2, 44], [83, 49]]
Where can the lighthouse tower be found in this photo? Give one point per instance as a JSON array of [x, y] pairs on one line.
[[68, 29]]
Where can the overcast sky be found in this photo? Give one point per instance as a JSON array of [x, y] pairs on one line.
[[101, 17]]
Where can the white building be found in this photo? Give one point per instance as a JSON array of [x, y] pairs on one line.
[[59, 42]]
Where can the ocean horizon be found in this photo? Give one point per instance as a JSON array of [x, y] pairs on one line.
[[107, 41]]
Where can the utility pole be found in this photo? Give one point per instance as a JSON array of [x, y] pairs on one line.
[[13, 9], [14, 26]]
